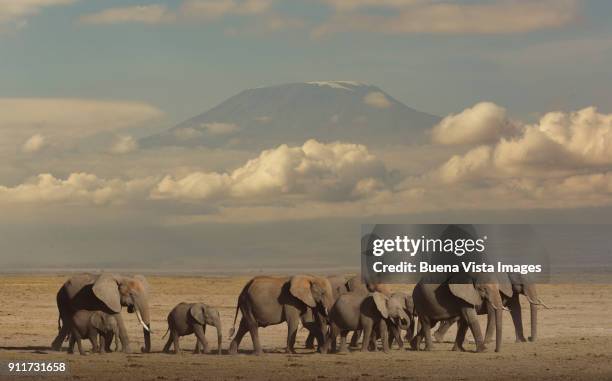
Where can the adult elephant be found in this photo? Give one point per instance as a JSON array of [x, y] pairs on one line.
[[108, 293], [520, 286], [268, 301], [459, 297]]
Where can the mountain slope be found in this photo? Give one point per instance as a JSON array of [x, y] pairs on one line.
[[292, 113]]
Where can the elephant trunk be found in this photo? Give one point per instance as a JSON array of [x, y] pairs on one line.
[[217, 324], [142, 313], [498, 329], [534, 321]]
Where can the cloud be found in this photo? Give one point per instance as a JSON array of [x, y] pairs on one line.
[[61, 120], [334, 171], [217, 128], [426, 17], [34, 144], [77, 188], [146, 14], [377, 99], [483, 123], [124, 144], [215, 9], [559, 144], [15, 12]]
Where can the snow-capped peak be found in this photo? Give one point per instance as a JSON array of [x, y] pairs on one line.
[[342, 85]]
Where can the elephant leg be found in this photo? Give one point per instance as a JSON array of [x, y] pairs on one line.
[[123, 336], [415, 342], [292, 327], [343, 346], [462, 328], [443, 328], [254, 331], [169, 342], [469, 315], [175, 341], [310, 341], [426, 329], [395, 334], [490, 323], [201, 338], [355, 338], [384, 335], [71, 344], [242, 330], [93, 338], [56, 345], [367, 334], [517, 317]]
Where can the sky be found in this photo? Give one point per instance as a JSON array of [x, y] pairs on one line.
[[524, 89]]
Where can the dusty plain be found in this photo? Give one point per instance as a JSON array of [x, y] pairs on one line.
[[575, 341]]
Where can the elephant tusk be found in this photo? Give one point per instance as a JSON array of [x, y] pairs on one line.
[[415, 328], [537, 302], [144, 325]]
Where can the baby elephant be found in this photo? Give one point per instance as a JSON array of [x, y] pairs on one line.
[[373, 314], [188, 318], [90, 325]]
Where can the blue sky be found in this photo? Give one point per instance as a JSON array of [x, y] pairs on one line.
[[186, 67]]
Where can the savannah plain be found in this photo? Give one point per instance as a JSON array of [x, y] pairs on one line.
[[574, 343]]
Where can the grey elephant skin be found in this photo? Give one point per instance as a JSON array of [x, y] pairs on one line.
[[268, 301], [405, 300], [372, 313], [458, 298], [519, 286], [192, 318], [107, 293], [91, 325]]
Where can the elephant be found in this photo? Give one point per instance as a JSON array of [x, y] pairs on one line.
[[457, 299], [356, 284], [107, 293], [405, 300], [339, 286], [91, 324], [188, 318], [519, 286], [266, 300], [371, 313]]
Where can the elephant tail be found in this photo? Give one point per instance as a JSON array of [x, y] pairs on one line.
[[233, 329], [168, 330]]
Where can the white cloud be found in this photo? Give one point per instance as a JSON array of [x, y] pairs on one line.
[[218, 128], [146, 14], [428, 17], [186, 133], [34, 144], [315, 170], [77, 188], [377, 99], [124, 144], [560, 144], [483, 123], [15, 12]]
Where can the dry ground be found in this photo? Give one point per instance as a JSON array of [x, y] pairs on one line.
[[575, 341]]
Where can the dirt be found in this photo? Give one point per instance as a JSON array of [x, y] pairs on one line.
[[574, 343]]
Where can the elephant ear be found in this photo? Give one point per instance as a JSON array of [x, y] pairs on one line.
[[197, 313], [76, 283], [106, 289], [97, 321], [466, 291], [300, 288], [381, 304]]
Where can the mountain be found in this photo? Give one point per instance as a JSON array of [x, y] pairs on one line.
[[292, 113]]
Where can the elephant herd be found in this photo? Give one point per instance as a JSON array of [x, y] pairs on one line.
[[90, 305]]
